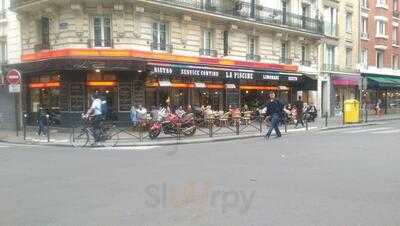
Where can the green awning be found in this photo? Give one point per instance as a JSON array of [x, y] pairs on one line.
[[384, 82]]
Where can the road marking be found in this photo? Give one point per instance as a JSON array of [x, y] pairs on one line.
[[1, 146], [138, 148], [387, 131], [366, 130]]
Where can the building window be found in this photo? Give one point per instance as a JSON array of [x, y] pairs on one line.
[[379, 58], [44, 33], [365, 3], [304, 55], [394, 35], [330, 58], [364, 27], [364, 58], [226, 43], [207, 39], [395, 5], [380, 28], [349, 57], [159, 36], [2, 9], [252, 46], [331, 21], [285, 52], [349, 22], [102, 31], [395, 62]]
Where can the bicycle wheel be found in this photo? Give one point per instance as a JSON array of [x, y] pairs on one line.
[[79, 138], [111, 137]]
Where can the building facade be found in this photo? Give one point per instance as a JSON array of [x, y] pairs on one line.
[[193, 52], [10, 52], [339, 78], [380, 54]]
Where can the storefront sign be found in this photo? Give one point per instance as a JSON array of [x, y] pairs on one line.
[[14, 88], [222, 73]]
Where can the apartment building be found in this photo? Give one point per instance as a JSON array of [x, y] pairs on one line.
[[380, 54], [183, 52], [10, 52], [340, 77]]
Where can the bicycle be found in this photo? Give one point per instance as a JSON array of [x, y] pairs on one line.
[[108, 134]]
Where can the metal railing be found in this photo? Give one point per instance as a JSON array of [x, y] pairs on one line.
[[305, 63], [395, 42], [331, 67], [42, 46], [396, 13], [284, 60], [100, 43], [253, 57], [208, 52], [253, 12], [364, 35], [161, 47]]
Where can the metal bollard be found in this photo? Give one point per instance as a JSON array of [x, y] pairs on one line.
[[210, 128], [326, 119], [261, 124], [285, 127], [237, 126], [179, 131], [366, 115], [48, 127], [24, 125], [306, 124]]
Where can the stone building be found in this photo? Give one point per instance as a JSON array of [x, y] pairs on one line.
[[182, 52]]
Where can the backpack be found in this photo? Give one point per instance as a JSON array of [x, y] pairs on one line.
[[103, 107]]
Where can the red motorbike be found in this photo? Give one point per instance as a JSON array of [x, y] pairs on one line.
[[170, 125]]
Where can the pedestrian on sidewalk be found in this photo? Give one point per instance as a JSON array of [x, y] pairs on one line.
[[42, 122], [299, 106], [275, 111]]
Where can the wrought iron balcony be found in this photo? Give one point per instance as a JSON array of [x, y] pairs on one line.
[[208, 52], [253, 12], [41, 46], [364, 35], [161, 47], [306, 63], [331, 67], [284, 60], [100, 43], [253, 57]]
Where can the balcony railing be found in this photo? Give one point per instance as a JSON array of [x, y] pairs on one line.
[[100, 43], [306, 63], [258, 13], [208, 52], [161, 47], [284, 60], [253, 57], [331, 67], [395, 42], [42, 46]]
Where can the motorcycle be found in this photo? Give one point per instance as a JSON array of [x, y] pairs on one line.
[[169, 125]]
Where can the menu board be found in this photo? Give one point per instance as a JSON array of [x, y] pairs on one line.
[[138, 92], [77, 95], [232, 97], [64, 105], [125, 96]]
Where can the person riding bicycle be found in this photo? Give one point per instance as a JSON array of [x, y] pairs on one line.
[[95, 112]]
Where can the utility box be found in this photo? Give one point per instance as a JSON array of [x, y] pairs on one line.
[[351, 111]]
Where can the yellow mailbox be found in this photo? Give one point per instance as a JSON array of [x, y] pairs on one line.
[[351, 111]]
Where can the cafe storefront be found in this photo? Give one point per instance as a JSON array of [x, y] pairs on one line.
[[218, 87]]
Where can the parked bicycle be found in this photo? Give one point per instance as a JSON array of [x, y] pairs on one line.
[[108, 134]]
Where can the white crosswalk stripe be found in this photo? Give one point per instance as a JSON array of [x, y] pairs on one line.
[[387, 131], [366, 130]]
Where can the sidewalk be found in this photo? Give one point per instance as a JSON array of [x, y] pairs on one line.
[[60, 136]]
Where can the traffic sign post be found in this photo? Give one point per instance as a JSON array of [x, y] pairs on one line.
[[13, 79]]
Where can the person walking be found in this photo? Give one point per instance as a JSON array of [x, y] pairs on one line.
[[275, 111], [299, 106]]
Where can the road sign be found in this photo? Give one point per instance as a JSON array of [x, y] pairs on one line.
[[13, 77], [14, 88]]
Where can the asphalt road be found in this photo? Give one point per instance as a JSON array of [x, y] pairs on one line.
[[343, 177]]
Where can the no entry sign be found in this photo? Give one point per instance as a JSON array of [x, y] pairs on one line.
[[13, 77]]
